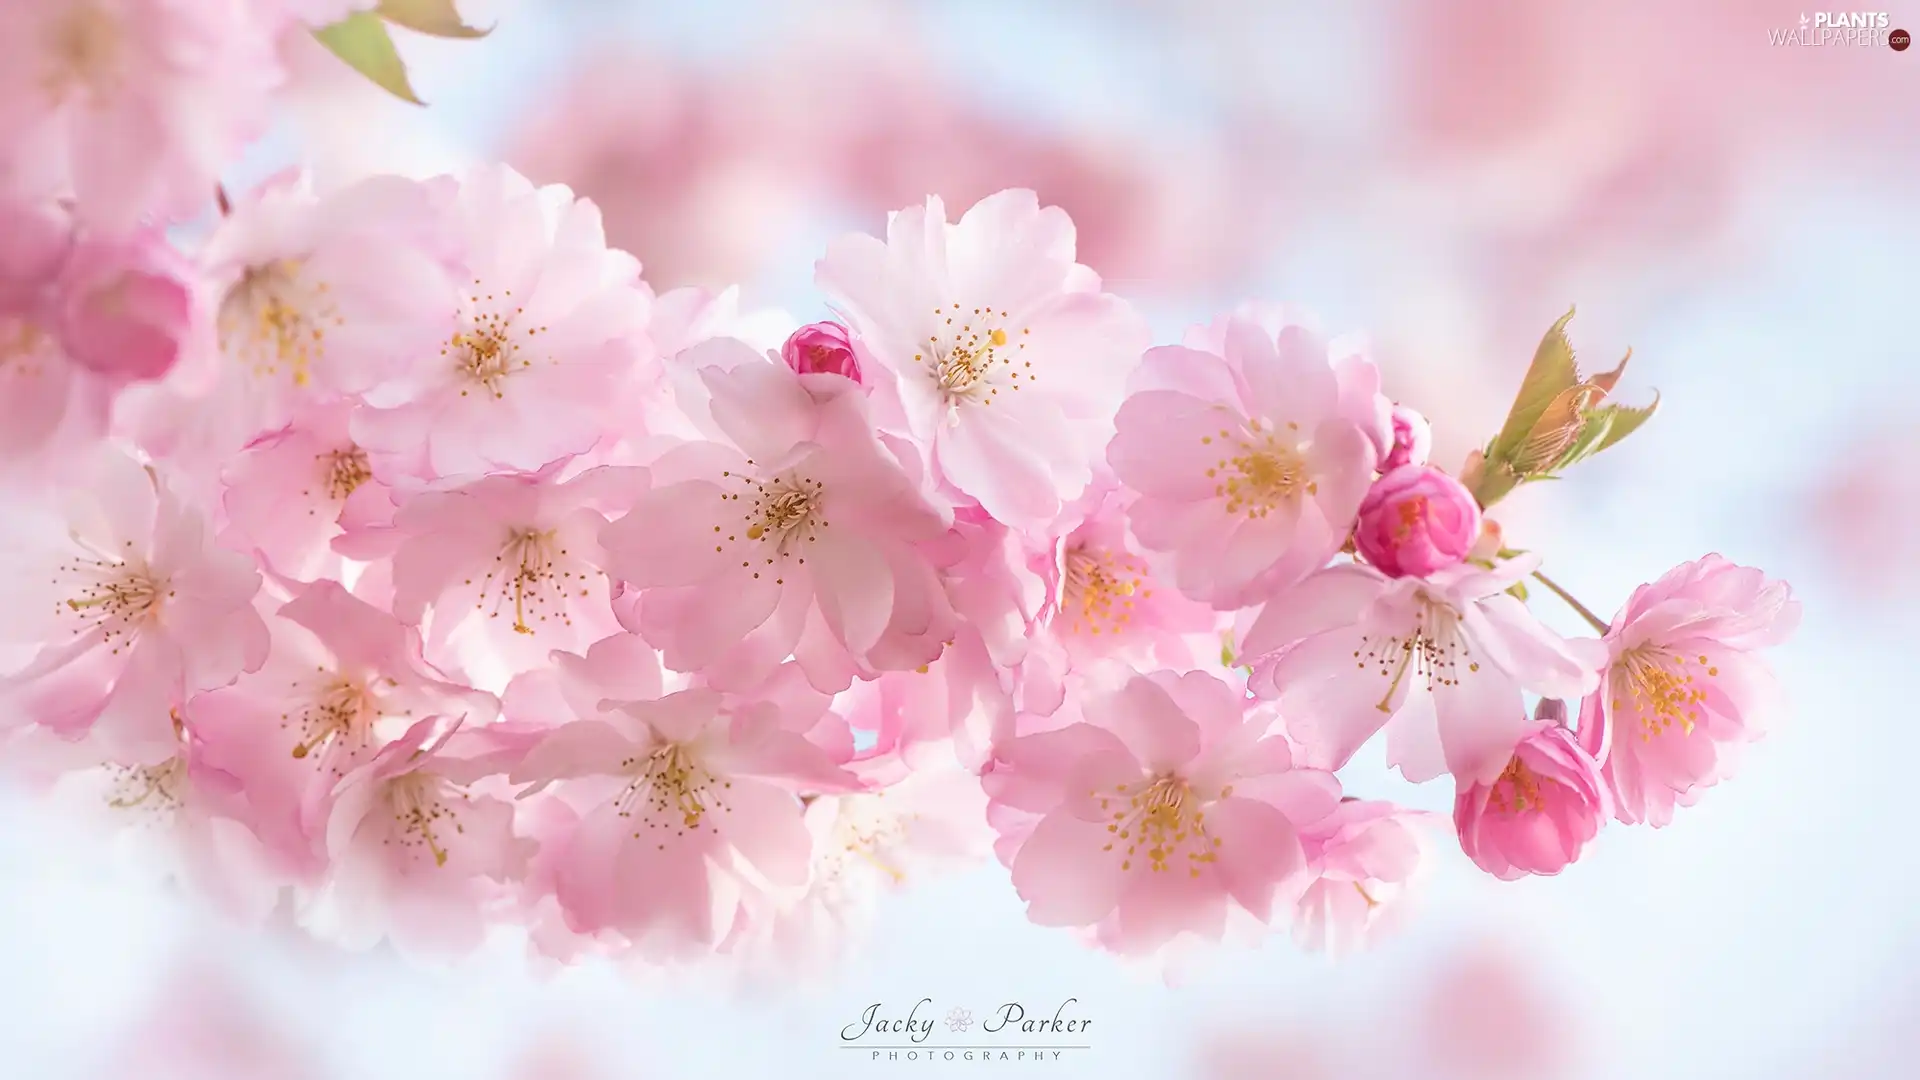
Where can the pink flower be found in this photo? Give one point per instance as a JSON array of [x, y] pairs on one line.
[[680, 797], [914, 826], [1104, 597], [344, 677], [132, 608], [1439, 662], [1535, 819], [418, 852], [289, 494], [136, 105], [176, 805], [1104, 603], [509, 564], [301, 316], [1416, 520], [126, 306], [1164, 805], [959, 704], [1365, 855], [1412, 440], [989, 346], [821, 347], [550, 329], [1248, 467], [797, 539], [52, 408], [1683, 687]]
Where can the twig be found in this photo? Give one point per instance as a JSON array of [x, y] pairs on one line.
[[1592, 619]]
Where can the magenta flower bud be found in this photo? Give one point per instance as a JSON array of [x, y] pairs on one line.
[[1547, 804], [821, 348], [1416, 520], [1412, 440], [125, 307]]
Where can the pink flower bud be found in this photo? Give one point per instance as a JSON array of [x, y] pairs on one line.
[[125, 307], [1416, 520], [1544, 808], [821, 348], [1412, 440]]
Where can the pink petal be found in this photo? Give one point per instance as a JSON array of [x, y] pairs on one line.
[[1257, 850], [854, 587], [1065, 874], [1335, 597], [1150, 722]]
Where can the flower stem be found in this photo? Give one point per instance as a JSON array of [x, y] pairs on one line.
[[220, 199], [1592, 619]]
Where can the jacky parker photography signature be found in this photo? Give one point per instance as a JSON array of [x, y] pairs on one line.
[[917, 1026]]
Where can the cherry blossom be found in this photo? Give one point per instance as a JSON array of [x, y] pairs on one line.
[[914, 823], [1164, 805], [1683, 688], [1105, 603], [1248, 464], [133, 105], [343, 679], [1547, 805], [1439, 662], [996, 352], [81, 318], [797, 539], [417, 855], [1365, 857], [300, 316], [132, 607], [550, 324], [287, 494], [176, 808], [509, 562], [687, 800]]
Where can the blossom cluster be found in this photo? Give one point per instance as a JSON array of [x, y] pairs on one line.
[[409, 568]]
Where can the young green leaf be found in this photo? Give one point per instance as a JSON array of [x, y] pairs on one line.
[[1626, 420], [362, 42], [435, 18], [1551, 374]]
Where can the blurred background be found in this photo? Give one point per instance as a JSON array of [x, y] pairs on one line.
[[1445, 176]]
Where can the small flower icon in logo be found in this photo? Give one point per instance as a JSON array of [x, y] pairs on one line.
[[959, 1019], [1803, 21]]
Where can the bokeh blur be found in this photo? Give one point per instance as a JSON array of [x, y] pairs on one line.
[[1447, 176]]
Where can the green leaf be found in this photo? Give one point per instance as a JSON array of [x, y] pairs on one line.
[[1626, 420], [1552, 374], [1586, 442], [1604, 427], [435, 18], [1519, 591], [362, 42]]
